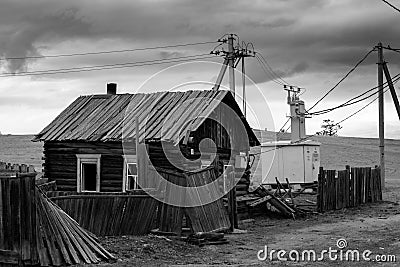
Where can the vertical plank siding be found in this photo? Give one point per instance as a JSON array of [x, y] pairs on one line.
[[204, 218], [109, 214], [209, 217], [348, 188]]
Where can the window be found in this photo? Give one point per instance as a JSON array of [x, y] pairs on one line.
[[130, 181], [88, 172]]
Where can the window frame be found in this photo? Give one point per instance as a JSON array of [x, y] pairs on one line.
[[88, 159], [129, 159]]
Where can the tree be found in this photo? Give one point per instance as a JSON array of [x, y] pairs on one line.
[[329, 128]]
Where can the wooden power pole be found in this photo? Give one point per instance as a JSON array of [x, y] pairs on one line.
[[231, 62], [381, 114], [244, 89]]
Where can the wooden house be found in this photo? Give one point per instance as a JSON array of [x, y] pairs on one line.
[[92, 145]]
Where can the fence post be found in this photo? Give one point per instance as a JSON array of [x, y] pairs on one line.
[[379, 184], [232, 205], [347, 187], [320, 195]]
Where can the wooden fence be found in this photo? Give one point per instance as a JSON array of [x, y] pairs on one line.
[[17, 221], [109, 214], [348, 188], [16, 168], [34, 231], [136, 213]]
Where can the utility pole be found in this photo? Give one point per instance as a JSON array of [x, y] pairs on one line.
[[231, 62], [244, 88], [232, 58], [381, 114]]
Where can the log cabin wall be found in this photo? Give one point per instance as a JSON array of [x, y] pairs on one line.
[[60, 163]]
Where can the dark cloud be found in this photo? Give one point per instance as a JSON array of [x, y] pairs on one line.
[[290, 33], [295, 36], [22, 42]]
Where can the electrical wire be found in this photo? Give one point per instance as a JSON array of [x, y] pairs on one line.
[[107, 52], [391, 49], [355, 99], [364, 107], [394, 7], [268, 72], [344, 77], [282, 130], [270, 68], [109, 66], [318, 133], [284, 124]]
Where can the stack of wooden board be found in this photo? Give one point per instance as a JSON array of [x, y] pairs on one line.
[[60, 239]]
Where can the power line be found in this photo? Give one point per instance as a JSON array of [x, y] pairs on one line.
[[109, 66], [392, 49], [317, 133], [348, 117], [341, 80], [271, 69], [107, 52], [284, 124], [364, 107], [391, 5], [349, 102], [264, 68], [106, 65], [282, 129]]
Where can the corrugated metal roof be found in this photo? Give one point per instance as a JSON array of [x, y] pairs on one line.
[[164, 116]]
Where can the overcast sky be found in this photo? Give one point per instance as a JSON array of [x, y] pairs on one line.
[[309, 43]]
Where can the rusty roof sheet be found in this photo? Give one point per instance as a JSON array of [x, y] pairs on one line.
[[164, 116]]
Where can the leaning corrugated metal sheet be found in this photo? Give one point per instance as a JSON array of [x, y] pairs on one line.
[[164, 116]]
